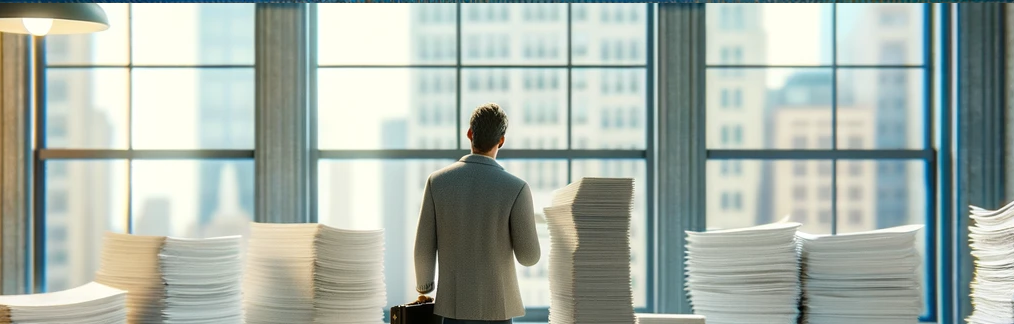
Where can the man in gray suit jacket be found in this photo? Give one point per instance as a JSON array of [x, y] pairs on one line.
[[477, 218]]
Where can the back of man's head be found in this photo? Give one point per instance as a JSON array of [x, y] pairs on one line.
[[488, 125]]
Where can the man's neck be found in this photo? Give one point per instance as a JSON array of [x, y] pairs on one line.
[[491, 154]]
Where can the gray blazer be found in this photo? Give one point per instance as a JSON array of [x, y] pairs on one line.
[[479, 217]]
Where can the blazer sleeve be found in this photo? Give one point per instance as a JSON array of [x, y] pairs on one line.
[[426, 243], [524, 238]]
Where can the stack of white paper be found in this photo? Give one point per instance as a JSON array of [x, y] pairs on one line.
[[92, 303], [131, 263], [202, 279], [748, 275], [868, 277], [311, 273], [589, 269], [991, 238], [669, 319]]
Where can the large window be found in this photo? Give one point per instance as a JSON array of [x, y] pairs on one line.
[[823, 111], [147, 130], [393, 106]]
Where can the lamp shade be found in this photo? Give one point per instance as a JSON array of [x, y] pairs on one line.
[[55, 18]]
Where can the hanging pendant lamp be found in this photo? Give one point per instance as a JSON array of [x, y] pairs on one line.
[[42, 19]]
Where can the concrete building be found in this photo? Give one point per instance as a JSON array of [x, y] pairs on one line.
[[736, 101]]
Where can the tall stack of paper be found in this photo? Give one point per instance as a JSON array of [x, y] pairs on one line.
[[131, 263], [748, 275], [92, 303], [868, 277], [202, 278], [991, 238], [589, 258], [669, 319], [311, 273], [174, 280]]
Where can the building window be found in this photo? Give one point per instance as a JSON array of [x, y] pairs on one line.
[[824, 142], [799, 168], [580, 13], [825, 217], [799, 216], [856, 193], [855, 169], [799, 193], [825, 193], [799, 142], [855, 217], [824, 168], [56, 201], [855, 142], [56, 91]]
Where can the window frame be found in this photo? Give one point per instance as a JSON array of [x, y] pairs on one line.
[[928, 154], [43, 153], [570, 153]]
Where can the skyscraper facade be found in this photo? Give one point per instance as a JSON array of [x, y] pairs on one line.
[[737, 107]]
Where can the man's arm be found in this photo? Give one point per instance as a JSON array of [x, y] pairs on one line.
[[426, 243], [524, 238]]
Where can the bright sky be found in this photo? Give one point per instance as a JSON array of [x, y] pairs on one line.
[[379, 33]]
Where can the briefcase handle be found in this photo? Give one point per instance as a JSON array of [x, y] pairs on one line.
[[423, 299]]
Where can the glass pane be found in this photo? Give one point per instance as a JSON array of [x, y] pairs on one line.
[[639, 225], [366, 109], [109, 47], [166, 203], [608, 33], [881, 109], [535, 101], [881, 194], [769, 108], [743, 193], [201, 34], [84, 199], [351, 197], [193, 108], [608, 109], [769, 34], [881, 34], [516, 33], [400, 34], [86, 108]]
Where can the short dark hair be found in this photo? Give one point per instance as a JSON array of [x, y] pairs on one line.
[[488, 124]]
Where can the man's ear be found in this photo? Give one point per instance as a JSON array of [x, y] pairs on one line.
[[502, 139], [469, 134]]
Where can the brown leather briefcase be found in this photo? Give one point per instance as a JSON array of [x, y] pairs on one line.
[[415, 313]]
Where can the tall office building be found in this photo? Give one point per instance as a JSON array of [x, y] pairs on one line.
[[736, 102], [607, 107], [877, 109], [78, 206], [802, 189], [890, 34], [225, 115]]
